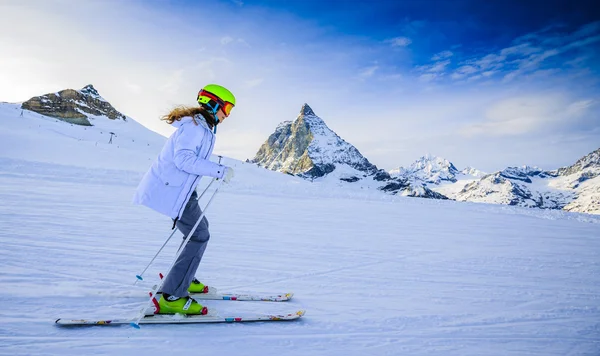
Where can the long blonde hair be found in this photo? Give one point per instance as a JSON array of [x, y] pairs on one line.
[[182, 111]]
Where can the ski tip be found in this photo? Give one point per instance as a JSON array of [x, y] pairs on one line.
[[57, 320], [135, 325], [139, 277]]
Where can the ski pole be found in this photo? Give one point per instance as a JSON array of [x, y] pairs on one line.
[[139, 276], [136, 322]]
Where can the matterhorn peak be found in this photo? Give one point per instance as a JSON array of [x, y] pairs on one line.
[[306, 110], [308, 148]]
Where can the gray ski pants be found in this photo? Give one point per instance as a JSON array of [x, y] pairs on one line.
[[181, 275]]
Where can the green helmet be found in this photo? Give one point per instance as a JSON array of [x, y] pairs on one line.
[[219, 95]]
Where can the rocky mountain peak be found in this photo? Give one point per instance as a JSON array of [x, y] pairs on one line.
[[308, 148], [91, 91], [74, 106], [306, 110]]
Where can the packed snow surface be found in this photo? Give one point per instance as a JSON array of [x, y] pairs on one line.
[[377, 274]]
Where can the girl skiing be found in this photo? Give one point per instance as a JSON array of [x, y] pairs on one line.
[[169, 188]]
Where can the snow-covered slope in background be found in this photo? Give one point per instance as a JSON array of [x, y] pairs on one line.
[[583, 177], [377, 273], [28, 135], [573, 188]]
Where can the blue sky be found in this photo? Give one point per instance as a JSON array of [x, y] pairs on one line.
[[487, 84]]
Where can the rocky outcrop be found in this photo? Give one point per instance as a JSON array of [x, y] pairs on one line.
[[402, 186], [589, 163], [524, 173], [73, 106]]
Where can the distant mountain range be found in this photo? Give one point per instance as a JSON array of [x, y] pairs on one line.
[[306, 147]]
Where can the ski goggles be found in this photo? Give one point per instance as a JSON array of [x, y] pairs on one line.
[[204, 96]]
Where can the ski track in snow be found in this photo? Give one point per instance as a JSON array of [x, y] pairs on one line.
[[376, 277]]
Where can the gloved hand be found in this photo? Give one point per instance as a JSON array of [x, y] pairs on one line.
[[228, 174]]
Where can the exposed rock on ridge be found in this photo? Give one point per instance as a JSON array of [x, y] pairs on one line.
[[74, 106]]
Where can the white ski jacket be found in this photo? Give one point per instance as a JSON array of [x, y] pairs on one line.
[[184, 159]]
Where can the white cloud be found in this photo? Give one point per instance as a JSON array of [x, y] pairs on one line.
[[226, 40], [442, 55], [579, 107], [490, 61], [369, 71], [527, 114], [523, 49], [439, 66], [433, 71], [400, 41], [530, 53], [395, 76], [463, 71], [428, 77], [242, 41]]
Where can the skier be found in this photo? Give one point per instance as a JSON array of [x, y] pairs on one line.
[[169, 188]]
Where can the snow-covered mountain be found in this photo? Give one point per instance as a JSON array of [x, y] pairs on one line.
[[307, 147], [573, 188], [428, 169], [470, 171], [583, 177], [514, 186], [588, 165]]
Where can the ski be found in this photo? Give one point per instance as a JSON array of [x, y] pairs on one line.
[[184, 319], [215, 295]]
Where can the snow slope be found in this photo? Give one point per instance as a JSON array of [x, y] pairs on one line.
[[37, 137], [377, 274]]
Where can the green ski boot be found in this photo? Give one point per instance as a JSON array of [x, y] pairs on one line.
[[197, 287], [174, 305]]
